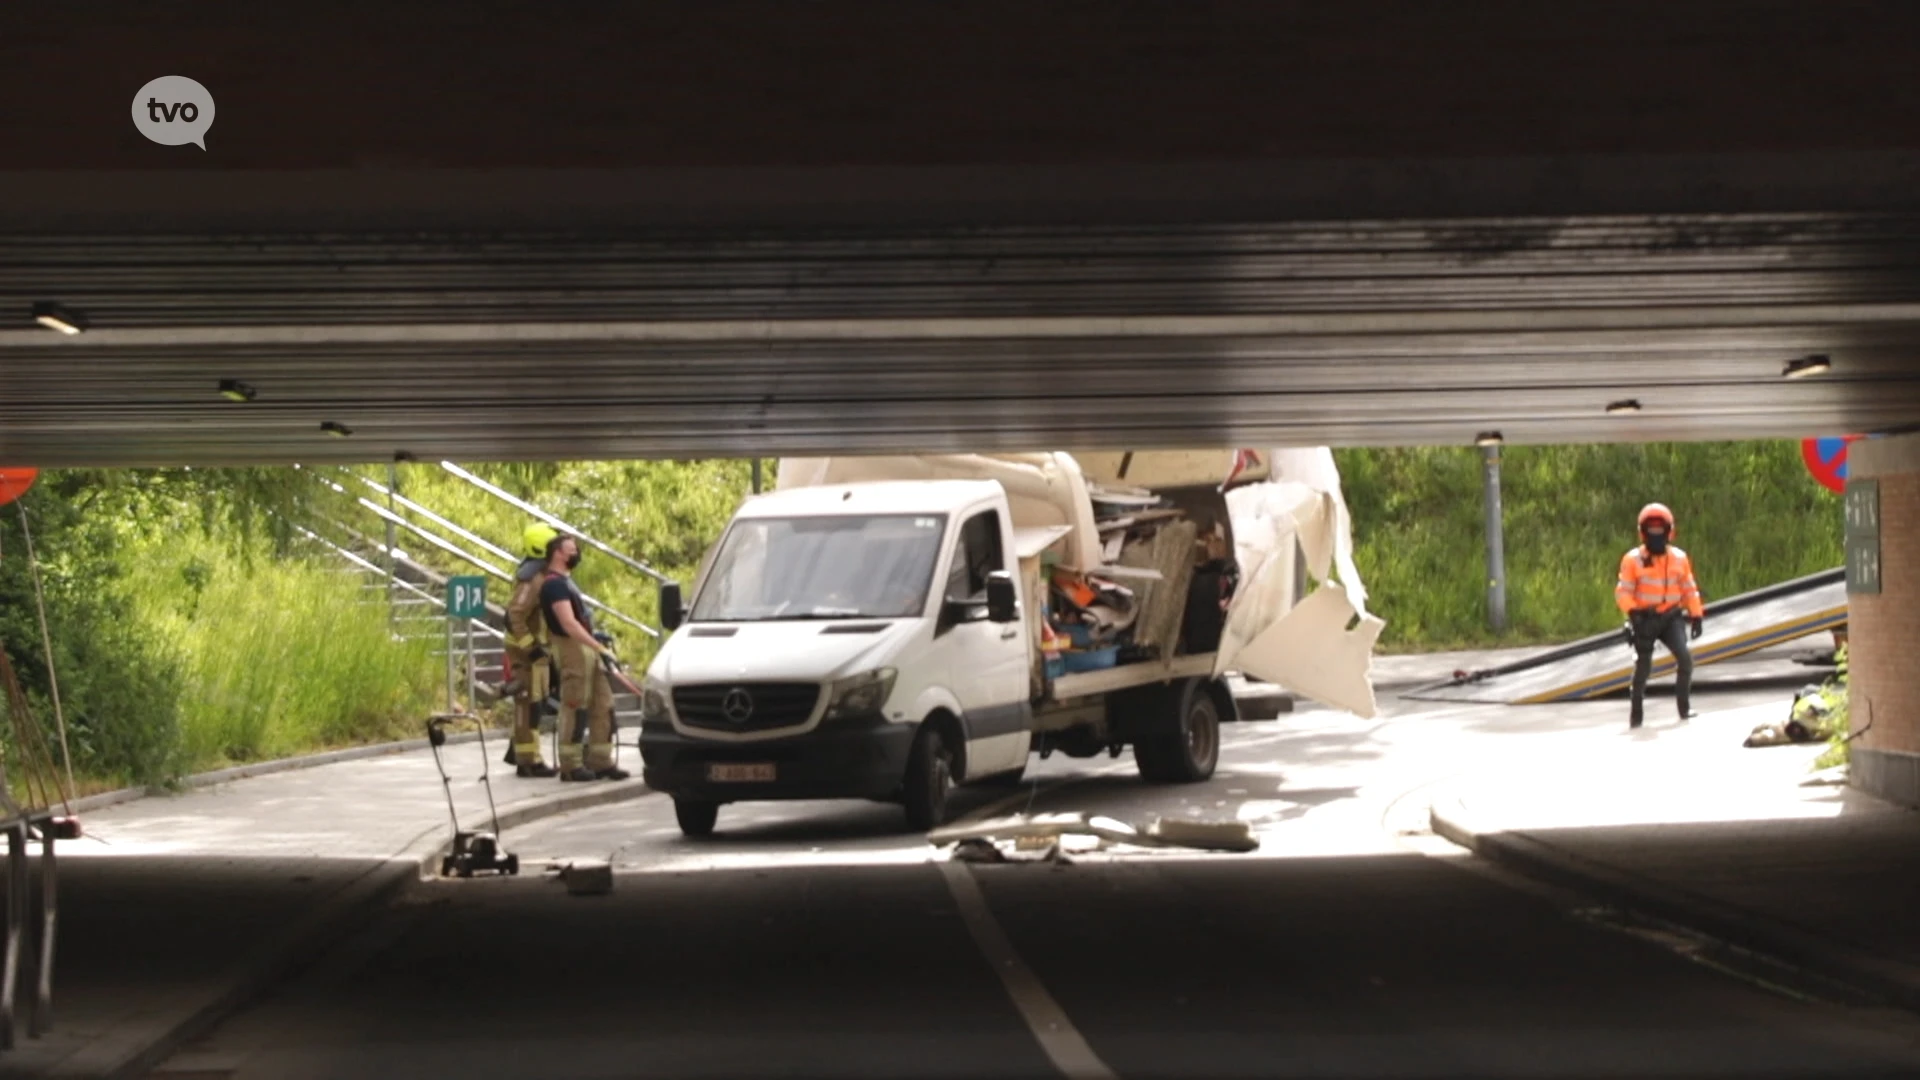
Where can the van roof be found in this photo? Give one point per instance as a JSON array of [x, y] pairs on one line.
[[876, 497]]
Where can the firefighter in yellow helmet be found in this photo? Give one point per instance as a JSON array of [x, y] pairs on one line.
[[526, 649], [586, 694], [1661, 600]]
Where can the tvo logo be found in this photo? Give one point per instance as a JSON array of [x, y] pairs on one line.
[[174, 110]]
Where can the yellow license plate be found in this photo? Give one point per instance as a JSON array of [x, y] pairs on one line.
[[738, 774]]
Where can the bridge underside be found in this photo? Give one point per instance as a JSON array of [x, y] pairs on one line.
[[764, 227], [537, 346]]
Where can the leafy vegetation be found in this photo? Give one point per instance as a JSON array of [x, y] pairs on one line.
[[1837, 723]]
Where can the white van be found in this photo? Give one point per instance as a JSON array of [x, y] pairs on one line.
[[881, 639]]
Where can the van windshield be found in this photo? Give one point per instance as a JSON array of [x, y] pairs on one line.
[[877, 567]]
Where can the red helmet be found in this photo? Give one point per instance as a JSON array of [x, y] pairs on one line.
[[1656, 511]]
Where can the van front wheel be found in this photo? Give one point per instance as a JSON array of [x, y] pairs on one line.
[[697, 817], [929, 779]]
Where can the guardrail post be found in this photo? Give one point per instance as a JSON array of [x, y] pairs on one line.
[[1496, 540]]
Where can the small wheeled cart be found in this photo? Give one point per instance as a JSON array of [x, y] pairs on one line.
[[473, 852]]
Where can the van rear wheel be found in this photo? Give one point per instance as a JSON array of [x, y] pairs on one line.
[[1188, 753]]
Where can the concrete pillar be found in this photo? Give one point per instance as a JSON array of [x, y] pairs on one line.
[[1883, 630]]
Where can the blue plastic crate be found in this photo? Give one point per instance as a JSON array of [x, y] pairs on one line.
[[1096, 660]]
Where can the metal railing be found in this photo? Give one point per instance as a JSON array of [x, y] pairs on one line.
[[528, 508], [458, 552]]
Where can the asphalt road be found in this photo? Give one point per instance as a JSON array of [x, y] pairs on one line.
[[820, 939]]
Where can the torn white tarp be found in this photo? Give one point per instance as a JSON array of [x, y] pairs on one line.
[[1322, 647]]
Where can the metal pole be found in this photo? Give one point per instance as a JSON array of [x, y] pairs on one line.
[[393, 611], [473, 678], [1496, 541], [756, 476], [451, 705], [1299, 571]]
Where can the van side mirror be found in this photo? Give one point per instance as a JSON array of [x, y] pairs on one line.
[[1003, 603], [672, 611]]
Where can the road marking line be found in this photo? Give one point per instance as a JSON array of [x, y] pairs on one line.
[[1056, 1034]]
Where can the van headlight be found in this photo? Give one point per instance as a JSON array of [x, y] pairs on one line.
[[653, 699], [861, 695]]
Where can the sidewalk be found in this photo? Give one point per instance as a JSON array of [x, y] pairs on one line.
[[176, 909], [1745, 845]]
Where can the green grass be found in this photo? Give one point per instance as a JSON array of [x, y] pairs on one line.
[[1748, 513], [279, 656]]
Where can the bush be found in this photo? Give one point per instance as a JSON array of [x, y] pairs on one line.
[[119, 683]]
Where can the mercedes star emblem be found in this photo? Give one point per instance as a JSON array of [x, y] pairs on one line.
[[737, 706]]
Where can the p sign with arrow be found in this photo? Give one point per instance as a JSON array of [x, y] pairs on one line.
[[1827, 460]]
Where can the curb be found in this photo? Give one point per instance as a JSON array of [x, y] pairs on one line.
[[1896, 983], [133, 1051], [265, 768]]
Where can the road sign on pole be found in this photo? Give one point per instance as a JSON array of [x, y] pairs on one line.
[[466, 598], [1827, 460]]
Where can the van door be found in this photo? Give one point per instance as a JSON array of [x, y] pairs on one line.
[[986, 662]]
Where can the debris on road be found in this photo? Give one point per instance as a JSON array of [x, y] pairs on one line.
[[585, 877], [1058, 832]]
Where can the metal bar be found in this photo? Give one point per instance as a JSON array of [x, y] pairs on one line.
[[42, 1019], [1496, 540], [424, 596], [756, 475], [450, 702], [414, 507], [447, 546], [473, 676], [455, 550], [1299, 570], [16, 928], [393, 481], [526, 507], [756, 329]]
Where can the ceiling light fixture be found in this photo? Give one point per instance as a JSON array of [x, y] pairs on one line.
[[54, 317], [1805, 366], [338, 431], [235, 390], [1625, 405], [1488, 438]]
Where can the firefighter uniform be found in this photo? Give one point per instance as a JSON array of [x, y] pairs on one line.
[[586, 694], [526, 649], [1657, 593]]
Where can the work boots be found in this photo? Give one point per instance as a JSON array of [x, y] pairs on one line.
[[612, 772], [538, 770], [579, 774]]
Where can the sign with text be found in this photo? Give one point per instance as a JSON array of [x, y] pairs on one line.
[[1863, 536], [467, 598]]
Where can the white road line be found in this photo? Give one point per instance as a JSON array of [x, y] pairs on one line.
[[1056, 1034]]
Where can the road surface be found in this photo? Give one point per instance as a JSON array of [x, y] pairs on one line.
[[820, 939]]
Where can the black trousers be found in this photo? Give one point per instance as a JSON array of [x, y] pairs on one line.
[[1667, 628]]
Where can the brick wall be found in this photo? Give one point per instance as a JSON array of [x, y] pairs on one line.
[[1884, 629]]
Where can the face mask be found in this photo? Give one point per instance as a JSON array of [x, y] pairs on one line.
[[573, 560], [1657, 543]]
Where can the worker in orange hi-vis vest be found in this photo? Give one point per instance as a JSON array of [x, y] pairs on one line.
[[1661, 601]]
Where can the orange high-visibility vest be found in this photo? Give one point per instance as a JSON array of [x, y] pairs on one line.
[[1663, 582]]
